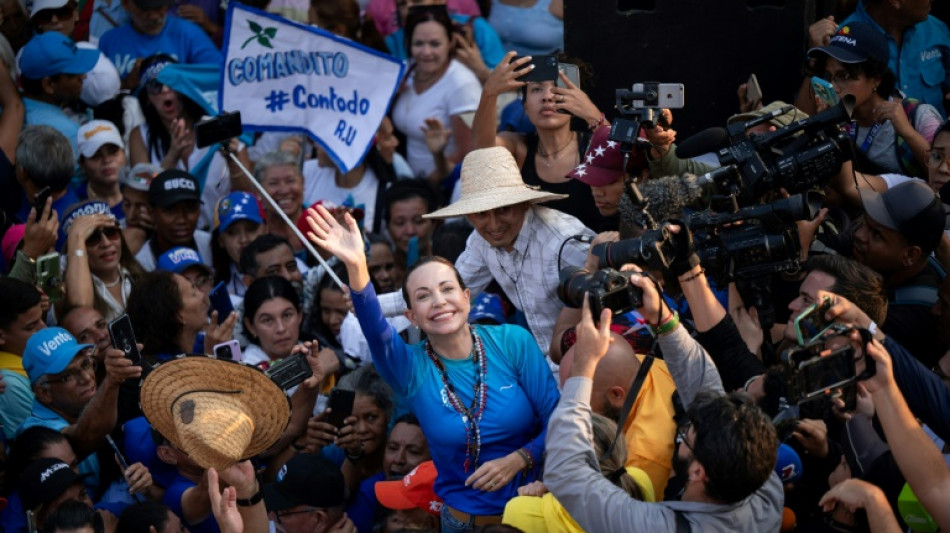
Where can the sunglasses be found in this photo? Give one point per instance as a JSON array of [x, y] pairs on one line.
[[46, 16], [110, 232], [154, 87]]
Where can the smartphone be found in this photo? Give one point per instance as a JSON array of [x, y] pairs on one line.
[[572, 72], [545, 69], [824, 90], [118, 453], [753, 92], [230, 350], [290, 371], [811, 323], [49, 276], [213, 130], [341, 406], [668, 95], [123, 338], [39, 202], [221, 301]]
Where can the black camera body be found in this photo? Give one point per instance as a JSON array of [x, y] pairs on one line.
[[290, 371], [606, 289]]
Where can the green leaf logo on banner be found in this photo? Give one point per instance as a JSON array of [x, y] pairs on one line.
[[263, 35]]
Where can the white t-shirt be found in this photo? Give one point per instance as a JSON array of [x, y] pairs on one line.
[[456, 92], [319, 183]]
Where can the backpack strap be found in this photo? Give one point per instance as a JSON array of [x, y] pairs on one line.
[[630, 400]]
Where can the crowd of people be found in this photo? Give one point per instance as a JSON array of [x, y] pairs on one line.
[[457, 356]]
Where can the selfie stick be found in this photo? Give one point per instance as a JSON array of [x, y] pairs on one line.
[[293, 227]]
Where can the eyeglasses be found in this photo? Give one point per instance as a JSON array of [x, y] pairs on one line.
[[681, 434], [202, 281], [110, 232], [842, 77], [45, 16], [89, 365], [936, 159]]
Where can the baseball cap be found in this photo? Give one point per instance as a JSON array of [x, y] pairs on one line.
[[51, 53], [779, 122], [307, 479], [140, 176], [94, 134], [237, 206], [414, 490], [487, 306], [40, 5], [911, 209], [603, 162], [49, 351], [173, 186], [11, 241], [856, 42], [179, 259], [44, 480], [81, 209]]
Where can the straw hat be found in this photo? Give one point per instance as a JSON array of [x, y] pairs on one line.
[[491, 179], [218, 412]]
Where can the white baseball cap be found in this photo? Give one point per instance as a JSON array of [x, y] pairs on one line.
[[40, 5], [96, 133]]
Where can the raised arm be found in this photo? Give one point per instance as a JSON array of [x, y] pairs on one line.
[[345, 242], [79, 287], [504, 78]]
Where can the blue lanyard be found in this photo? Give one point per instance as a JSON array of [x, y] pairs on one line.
[[870, 137]]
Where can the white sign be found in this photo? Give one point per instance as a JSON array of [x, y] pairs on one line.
[[284, 76]]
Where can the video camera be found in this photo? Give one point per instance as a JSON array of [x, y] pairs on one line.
[[753, 241], [802, 155]]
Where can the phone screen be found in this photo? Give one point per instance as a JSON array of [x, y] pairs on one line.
[[221, 301], [572, 72]]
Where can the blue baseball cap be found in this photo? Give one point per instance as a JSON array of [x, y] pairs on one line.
[[53, 53], [49, 351], [237, 206], [856, 42], [179, 259], [487, 306]]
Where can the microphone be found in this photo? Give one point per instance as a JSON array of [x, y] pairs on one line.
[[668, 196], [708, 140], [789, 464]]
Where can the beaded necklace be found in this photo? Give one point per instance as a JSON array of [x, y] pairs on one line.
[[471, 416]]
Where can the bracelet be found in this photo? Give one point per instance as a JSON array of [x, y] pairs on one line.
[[592, 125], [526, 456], [253, 500], [663, 321], [79, 253], [668, 325], [701, 272]]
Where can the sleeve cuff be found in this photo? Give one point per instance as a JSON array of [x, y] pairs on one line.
[[577, 389]]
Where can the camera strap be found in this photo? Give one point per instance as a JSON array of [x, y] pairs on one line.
[[629, 401]]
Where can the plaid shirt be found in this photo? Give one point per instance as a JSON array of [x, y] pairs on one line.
[[528, 273]]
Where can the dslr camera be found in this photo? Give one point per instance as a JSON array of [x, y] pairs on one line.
[[606, 289]]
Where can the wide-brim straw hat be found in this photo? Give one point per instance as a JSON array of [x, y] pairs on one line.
[[218, 412], [491, 179]]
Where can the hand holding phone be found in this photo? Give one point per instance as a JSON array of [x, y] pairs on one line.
[[39, 203], [221, 301], [545, 69], [753, 92], [123, 338], [341, 406], [825, 91]]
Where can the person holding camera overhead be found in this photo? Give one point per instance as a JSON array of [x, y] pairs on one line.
[[483, 394], [548, 156]]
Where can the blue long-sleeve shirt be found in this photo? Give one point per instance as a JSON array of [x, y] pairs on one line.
[[521, 396], [926, 394]]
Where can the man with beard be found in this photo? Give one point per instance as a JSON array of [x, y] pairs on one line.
[[176, 204], [726, 446]]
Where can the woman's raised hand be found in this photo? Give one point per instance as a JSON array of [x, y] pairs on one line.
[[505, 76], [345, 242]]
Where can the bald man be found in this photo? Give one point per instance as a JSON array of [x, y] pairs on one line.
[[649, 430]]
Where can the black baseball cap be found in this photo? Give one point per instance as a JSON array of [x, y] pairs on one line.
[[856, 42], [173, 186], [308, 479], [911, 209], [44, 480]]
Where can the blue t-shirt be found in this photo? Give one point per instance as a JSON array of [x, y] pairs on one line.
[[922, 62], [172, 499], [42, 113], [180, 39], [522, 394], [363, 509], [486, 38]]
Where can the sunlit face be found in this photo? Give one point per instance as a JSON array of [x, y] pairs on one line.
[[104, 165], [88, 326], [940, 152], [195, 304], [439, 305], [539, 103], [238, 235], [371, 423], [284, 184], [279, 261], [857, 85], [104, 255], [276, 324], [406, 222], [607, 197], [333, 309], [406, 447], [500, 226], [429, 48], [807, 295]]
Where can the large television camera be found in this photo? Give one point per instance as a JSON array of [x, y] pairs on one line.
[[797, 157]]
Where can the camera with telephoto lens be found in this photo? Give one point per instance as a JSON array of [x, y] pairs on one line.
[[753, 241], [797, 157], [606, 289]]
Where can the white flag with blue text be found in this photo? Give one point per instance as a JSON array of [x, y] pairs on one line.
[[284, 76]]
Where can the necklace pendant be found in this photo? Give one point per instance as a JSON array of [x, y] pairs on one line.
[[464, 419]]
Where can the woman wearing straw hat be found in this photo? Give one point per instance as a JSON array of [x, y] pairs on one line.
[[483, 394]]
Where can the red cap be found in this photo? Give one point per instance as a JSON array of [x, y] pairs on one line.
[[414, 490], [603, 163]]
